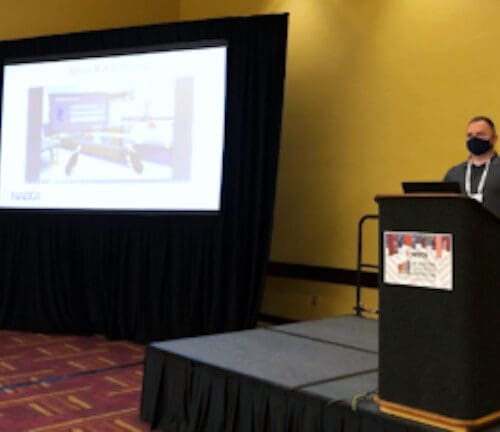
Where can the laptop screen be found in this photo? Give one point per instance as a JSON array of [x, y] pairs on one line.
[[431, 187]]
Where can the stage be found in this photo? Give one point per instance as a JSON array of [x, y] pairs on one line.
[[309, 376]]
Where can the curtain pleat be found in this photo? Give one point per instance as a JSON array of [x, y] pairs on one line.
[[182, 395]]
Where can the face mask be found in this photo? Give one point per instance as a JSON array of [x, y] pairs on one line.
[[478, 146]]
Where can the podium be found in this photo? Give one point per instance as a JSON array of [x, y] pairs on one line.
[[439, 329]]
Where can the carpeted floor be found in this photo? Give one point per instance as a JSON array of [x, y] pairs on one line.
[[69, 383]]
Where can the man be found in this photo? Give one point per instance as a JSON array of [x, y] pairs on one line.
[[479, 176]]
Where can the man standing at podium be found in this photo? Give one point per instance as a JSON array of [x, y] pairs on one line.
[[479, 176]]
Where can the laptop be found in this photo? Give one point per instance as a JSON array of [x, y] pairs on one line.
[[431, 187]]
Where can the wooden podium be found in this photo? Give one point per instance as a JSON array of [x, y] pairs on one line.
[[439, 310]]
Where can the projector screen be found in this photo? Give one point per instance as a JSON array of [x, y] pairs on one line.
[[136, 131]]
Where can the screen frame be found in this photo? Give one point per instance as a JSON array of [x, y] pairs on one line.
[[133, 49]]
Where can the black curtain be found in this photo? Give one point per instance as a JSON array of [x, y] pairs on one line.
[[147, 277], [184, 395]]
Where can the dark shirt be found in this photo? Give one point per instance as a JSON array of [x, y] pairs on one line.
[[491, 192]]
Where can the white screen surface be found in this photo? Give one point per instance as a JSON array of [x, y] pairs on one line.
[[121, 132]]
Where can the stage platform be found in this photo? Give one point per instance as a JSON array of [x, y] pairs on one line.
[[317, 376]]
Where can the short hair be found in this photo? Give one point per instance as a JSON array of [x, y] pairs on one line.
[[485, 119]]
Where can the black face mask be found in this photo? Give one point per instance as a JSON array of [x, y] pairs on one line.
[[478, 146]]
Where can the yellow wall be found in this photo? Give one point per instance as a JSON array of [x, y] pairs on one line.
[[28, 18], [377, 92], [299, 300]]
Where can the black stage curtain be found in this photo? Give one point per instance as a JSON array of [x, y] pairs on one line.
[[184, 395], [158, 276]]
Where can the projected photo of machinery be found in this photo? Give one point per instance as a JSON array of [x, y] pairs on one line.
[[98, 136]]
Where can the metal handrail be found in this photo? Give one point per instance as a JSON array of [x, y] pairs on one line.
[[359, 308]]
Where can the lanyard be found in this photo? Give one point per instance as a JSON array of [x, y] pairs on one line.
[[482, 181]]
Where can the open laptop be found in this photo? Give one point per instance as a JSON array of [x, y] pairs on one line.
[[431, 187]]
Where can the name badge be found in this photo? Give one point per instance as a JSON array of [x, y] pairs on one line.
[[477, 196]]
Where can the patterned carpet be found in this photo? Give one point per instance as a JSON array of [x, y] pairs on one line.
[[69, 383]]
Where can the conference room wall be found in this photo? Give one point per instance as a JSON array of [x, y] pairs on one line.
[[377, 92], [29, 18], [296, 299]]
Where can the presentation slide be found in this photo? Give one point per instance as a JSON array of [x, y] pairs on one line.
[[141, 131]]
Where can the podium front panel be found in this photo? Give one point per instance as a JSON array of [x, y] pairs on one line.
[[440, 348]]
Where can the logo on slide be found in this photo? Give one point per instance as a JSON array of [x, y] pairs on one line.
[[25, 196]]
